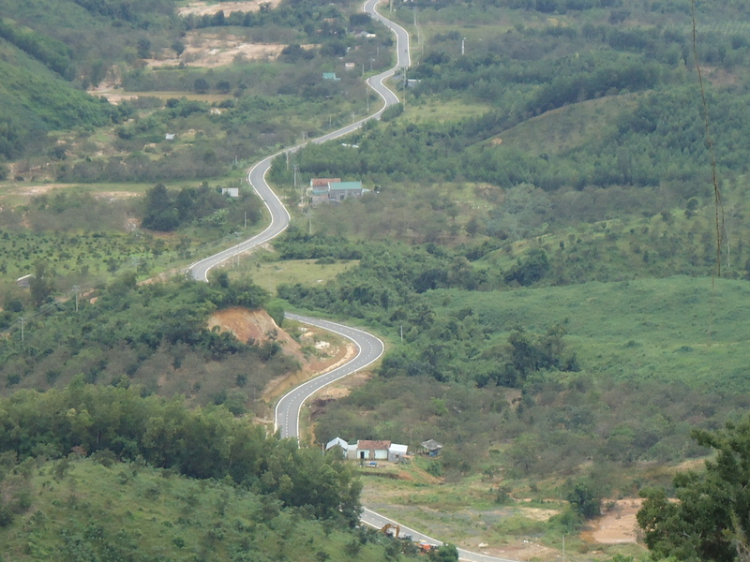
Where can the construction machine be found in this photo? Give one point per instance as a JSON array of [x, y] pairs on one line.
[[391, 530]]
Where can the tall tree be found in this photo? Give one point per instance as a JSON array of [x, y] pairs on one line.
[[711, 520]]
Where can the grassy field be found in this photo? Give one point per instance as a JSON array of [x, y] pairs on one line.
[[270, 274], [569, 127], [441, 111], [661, 330], [465, 512]]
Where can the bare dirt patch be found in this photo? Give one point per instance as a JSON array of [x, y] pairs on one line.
[[618, 526], [34, 190], [344, 387], [525, 550], [252, 325], [206, 9], [537, 513], [217, 49]]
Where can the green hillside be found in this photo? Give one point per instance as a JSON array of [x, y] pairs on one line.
[[166, 483], [80, 509], [36, 101]]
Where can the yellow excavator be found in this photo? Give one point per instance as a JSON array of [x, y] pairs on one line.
[[391, 530]]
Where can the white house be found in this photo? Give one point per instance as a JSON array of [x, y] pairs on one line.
[[372, 450], [340, 443], [397, 452]]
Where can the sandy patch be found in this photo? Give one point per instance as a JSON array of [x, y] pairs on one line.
[[252, 325], [205, 9], [33, 190], [218, 49], [618, 525], [527, 550], [344, 387], [114, 195], [537, 513]]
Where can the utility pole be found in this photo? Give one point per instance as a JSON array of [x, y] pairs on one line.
[[406, 82], [416, 25], [75, 289], [463, 46], [245, 220], [22, 335], [296, 172]]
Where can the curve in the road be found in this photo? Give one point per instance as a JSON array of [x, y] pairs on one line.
[[257, 174], [370, 348]]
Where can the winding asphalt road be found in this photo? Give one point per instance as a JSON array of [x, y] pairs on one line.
[[369, 350], [369, 347], [257, 175]]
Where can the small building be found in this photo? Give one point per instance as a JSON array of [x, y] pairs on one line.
[[322, 182], [333, 190], [233, 192], [372, 450], [331, 76], [169, 136], [349, 66], [25, 281], [397, 452], [340, 443], [338, 191], [431, 447]]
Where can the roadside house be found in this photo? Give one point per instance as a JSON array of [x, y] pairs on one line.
[[372, 450], [333, 190], [319, 190], [338, 191], [397, 452], [340, 443]]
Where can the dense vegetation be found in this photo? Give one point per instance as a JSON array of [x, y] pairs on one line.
[[107, 510], [539, 259], [198, 444], [710, 520], [528, 228], [127, 34], [153, 334]]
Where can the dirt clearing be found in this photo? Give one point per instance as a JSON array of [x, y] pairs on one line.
[[618, 525], [217, 49], [206, 9]]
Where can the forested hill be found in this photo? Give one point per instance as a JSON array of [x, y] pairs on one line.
[[35, 100], [52, 49]]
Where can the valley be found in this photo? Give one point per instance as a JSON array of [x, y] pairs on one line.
[[538, 244]]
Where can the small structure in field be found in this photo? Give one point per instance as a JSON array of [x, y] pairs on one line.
[[333, 190], [431, 447], [233, 192], [24, 281], [369, 450], [396, 452], [340, 443]]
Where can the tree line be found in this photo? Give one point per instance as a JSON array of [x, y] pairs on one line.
[[203, 444]]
